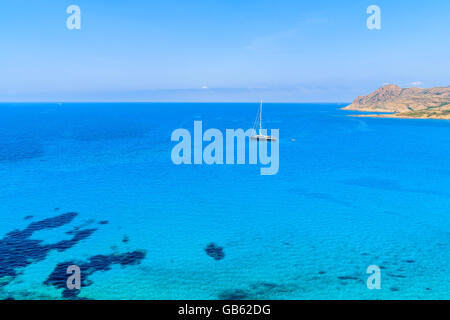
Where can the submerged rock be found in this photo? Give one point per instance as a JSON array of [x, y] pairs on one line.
[[95, 263], [396, 275], [214, 251], [18, 250], [237, 294], [348, 278]]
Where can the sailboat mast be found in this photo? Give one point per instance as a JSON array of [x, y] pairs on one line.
[[260, 117]]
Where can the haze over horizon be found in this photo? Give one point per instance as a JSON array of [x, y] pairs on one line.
[[223, 51]]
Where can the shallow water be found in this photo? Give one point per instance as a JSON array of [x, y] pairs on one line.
[[350, 193]]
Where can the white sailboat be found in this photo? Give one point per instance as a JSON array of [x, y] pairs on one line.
[[260, 136]]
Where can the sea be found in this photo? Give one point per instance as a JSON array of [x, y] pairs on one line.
[[356, 202]]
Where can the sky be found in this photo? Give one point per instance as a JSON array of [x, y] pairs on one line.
[[223, 50]]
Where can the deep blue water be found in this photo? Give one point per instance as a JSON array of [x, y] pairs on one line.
[[350, 192]]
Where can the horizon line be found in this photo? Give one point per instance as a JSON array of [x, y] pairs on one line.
[[217, 102]]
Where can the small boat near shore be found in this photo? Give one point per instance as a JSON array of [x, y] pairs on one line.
[[260, 136]]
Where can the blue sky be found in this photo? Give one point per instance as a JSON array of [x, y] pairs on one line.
[[219, 50]]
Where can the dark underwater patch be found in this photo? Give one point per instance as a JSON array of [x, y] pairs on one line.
[[18, 151], [257, 290], [81, 226], [389, 185], [104, 133], [263, 285], [58, 277], [375, 183], [319, 196], [214, 251], [237, 294], [17, 250], [396, 275], [268, 289], [348, 278], [77, 237], [28, 217]]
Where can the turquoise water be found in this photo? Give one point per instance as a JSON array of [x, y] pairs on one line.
[[350, 192]]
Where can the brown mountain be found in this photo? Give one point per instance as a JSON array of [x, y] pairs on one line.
[[406, 103]]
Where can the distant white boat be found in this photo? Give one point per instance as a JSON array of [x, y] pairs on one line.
[[260, 136]]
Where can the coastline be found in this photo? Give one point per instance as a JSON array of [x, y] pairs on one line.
[[402, 116], [392, 101]]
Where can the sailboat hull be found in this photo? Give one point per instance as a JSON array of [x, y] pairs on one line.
[[263, 138]]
